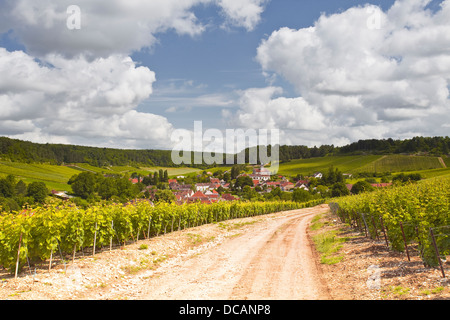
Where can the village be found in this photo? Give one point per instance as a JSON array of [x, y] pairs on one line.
[[248, 184], [262, 181], [217, 189]]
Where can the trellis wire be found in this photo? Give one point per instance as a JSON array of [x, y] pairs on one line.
[[352, 220]]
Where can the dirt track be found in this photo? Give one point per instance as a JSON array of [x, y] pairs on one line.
[[262, 257], [272, 260]]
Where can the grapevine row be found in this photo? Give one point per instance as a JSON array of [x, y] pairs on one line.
[[402, 215], [46, 230]]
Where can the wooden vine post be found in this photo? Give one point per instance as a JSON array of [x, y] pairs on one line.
[[18, 255]]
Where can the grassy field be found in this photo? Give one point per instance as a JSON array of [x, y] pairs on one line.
[[55, 177], [140, 170], [446, 161], [371, 163], [399, 163], [172, 172], [432, 173], [346, 164]]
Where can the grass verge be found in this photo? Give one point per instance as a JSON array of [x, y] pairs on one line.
[[327, 242]]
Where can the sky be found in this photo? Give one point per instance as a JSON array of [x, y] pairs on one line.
[[136, 73]]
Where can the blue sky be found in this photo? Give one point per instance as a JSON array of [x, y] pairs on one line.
[[221, 61], [320, 72]]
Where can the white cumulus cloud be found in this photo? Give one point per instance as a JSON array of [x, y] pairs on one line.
[[368, 73], [260, 110], [114, 26], [245, 14], [78, 100]]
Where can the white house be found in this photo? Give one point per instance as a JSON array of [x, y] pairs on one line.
[[261, 174], [203, 186], [259, 177], [318, 175]]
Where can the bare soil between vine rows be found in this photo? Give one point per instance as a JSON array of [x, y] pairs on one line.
[[263, 257]]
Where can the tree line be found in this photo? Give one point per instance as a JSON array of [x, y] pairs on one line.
[[436, 146], [93, 187], [25, 151], [16, 194], [155, 178], [432, 145]]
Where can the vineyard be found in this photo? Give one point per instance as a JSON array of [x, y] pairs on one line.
[[415, 217], [39, 234]]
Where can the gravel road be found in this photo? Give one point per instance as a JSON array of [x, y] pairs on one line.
[[272, 260]]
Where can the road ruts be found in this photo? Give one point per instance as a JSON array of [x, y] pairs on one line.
[[273, 260]]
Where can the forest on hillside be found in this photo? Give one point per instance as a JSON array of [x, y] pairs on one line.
[[25, 151], [436, 146]]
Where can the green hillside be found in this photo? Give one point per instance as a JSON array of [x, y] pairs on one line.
[[140, 170], [346, 164], [400, 163], [432, 173], [431, 166], [446, 161], [55, 177]]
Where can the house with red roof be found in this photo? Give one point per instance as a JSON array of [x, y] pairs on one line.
[[256, 183], [273, 184], [183, 194], [212, 194], [198, 196], [135, 180], [302, 184], [229, 197], [381, 185], [286, 185], [214, 180], [180, 187], [213, 186]]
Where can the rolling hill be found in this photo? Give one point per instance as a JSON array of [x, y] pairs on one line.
[[54, 176], [398, 163], [346, 164], [55, 164], [57, 176], [365, 164]]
